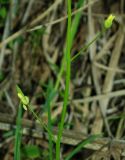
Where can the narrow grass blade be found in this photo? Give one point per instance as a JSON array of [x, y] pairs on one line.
[[74, 28], [50, 95], [18, 134], [76, 21], [67, 85]]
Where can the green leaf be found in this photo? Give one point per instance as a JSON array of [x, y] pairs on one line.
[[3, 12], [31, 151]]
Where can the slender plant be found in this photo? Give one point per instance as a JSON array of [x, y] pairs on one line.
[[27, 106], [24, 100], [107, 25]]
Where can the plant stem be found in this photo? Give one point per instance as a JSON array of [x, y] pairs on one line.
[[48, 102], [50, 138], [83, 49], [66, 95], [18, 134], [41, 123]]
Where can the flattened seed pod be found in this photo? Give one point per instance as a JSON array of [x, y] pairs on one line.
[[108, 21]]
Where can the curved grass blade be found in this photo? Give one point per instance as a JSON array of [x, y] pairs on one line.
[[81, 145]]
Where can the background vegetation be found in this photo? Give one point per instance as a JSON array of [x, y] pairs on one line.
[[35, 38]]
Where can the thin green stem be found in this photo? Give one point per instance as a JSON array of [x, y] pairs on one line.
[[86, 46], [41, 123], [18, 134], [48, 102], [66, 95], [50, 138]]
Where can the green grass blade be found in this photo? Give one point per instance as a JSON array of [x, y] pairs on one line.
[[66, 94], [50, 128], [18, 134], [71, 31], [74, 28], [49, 97], [81, 145], [76, 21]]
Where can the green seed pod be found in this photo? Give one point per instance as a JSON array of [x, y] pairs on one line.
[[24, 99], [108, 21]]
